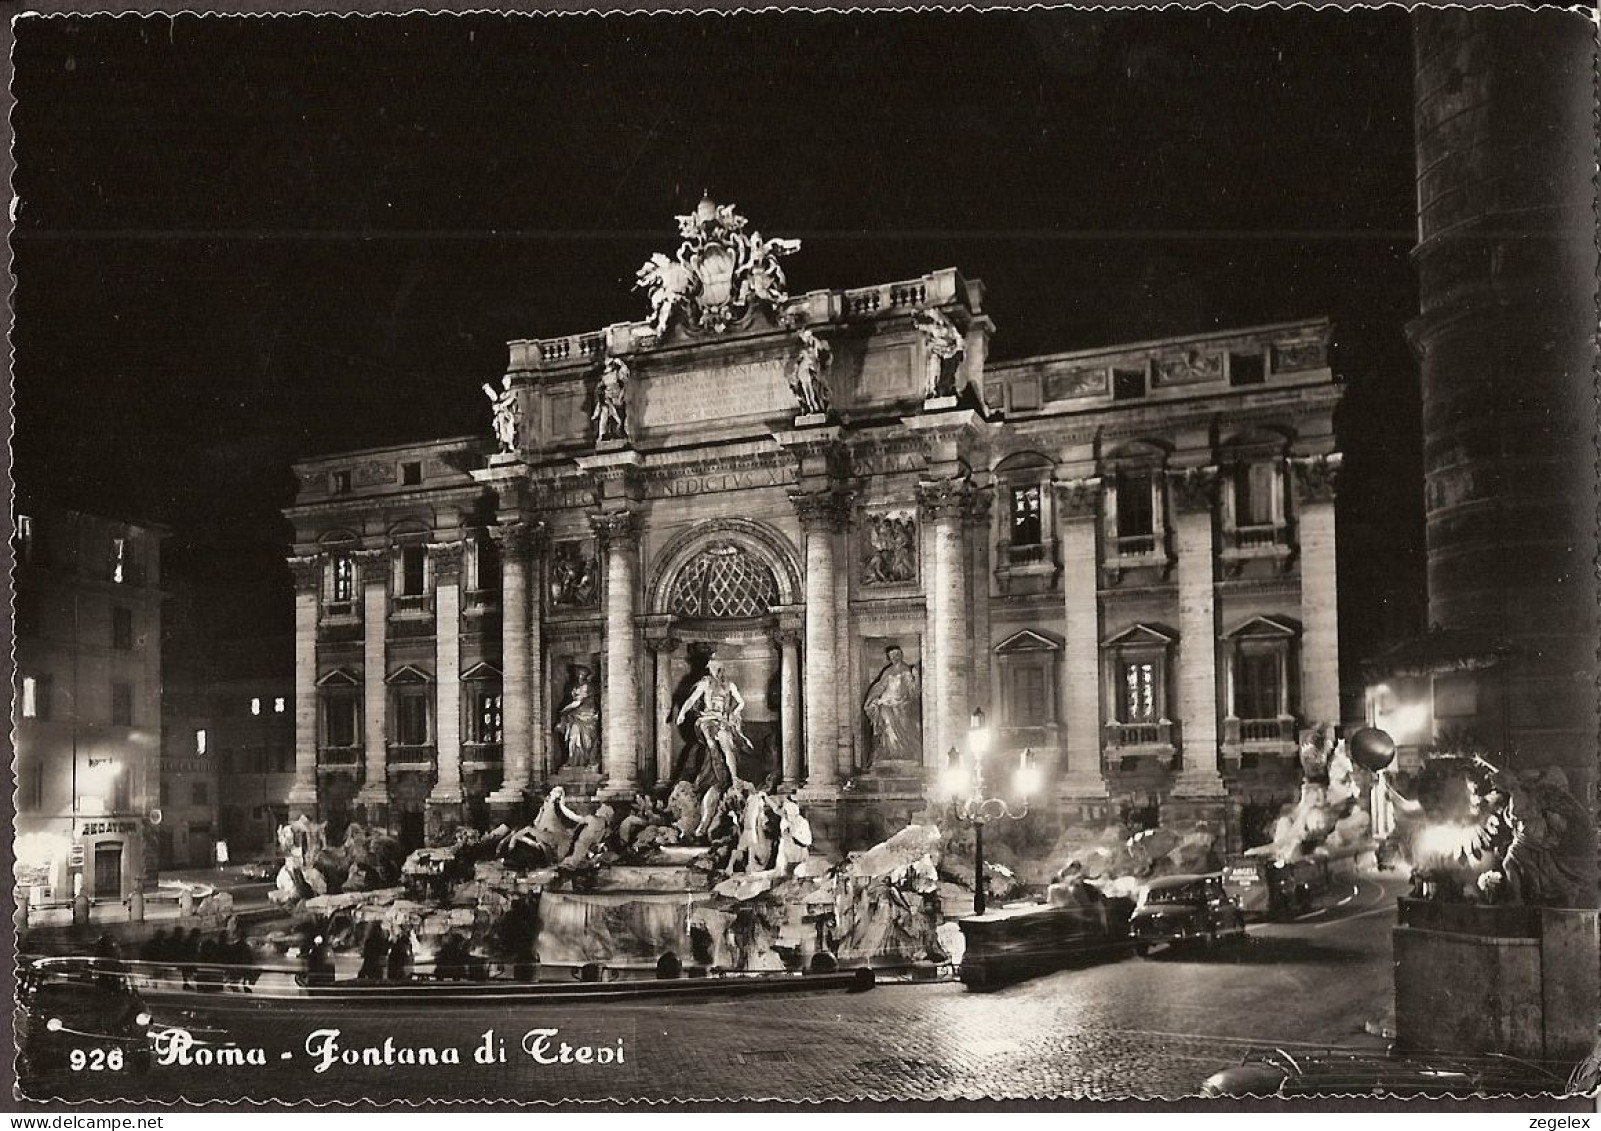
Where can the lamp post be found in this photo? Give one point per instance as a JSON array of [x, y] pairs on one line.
[[965, 785]]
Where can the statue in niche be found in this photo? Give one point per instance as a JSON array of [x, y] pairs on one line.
[[611, 401], [894, 707], [720, 725], [892, 557], [507, 413], [945, 350], [808, 379], [572, 577], [578, 724]]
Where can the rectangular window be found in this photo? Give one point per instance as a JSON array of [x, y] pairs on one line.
[[255, 705], [1139, 692], [24, 538], [122, 629], [199, 793], [119, 560], [487, 716], [339, 482], [278, 705], [488, 564], [340, 712], [200, 741], [1026, 516], [413, 561], [1135, 518], [344, 576], [1030, 703], [410, 474], [121, 704], [1256, 686], [1254, 488], [1128, 384], [30, 697], [1246, 369], [411, 717]]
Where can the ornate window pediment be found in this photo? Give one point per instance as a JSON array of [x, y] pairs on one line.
[[482, 671], [338, 678], [724, 582], [408, 675], [1148, 635]]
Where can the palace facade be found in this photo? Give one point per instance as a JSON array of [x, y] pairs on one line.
[[1124, 556]]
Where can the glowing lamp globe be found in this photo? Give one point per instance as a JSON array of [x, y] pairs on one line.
[[1371, 748]]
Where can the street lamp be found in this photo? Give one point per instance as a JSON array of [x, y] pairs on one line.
[[964, 784]]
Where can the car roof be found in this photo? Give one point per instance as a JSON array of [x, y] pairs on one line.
[[1164, 882]]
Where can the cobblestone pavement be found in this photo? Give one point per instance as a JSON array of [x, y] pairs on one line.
[[1152, 1028]]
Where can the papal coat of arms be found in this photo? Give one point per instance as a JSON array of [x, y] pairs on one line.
[[719, 274]]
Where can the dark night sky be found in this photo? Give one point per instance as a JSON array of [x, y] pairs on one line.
[[241, 242]]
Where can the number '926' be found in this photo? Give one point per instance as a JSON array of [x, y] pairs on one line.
[[96, 1060]]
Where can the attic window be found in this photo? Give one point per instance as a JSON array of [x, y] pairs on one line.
[[339, 482], [410, 474]]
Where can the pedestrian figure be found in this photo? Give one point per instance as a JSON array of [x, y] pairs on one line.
[[374, 950], [319, 963], [208, 978], [154, 954], [186, 952], [399, 969], [109, 970], [243, 961]]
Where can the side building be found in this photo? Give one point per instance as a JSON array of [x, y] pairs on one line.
[[1124, 556], [87, 702]]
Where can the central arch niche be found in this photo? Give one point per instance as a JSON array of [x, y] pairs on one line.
[[715, 588]]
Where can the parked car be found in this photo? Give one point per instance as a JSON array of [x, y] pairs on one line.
[[1176, 910], [72, 1019], [266, 868], [1349, 1072]]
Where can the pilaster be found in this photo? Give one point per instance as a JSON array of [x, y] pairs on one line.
[[1077, 514], [372, 572], [444, 801], [307, 571], [1315, 482], [1194, 496]]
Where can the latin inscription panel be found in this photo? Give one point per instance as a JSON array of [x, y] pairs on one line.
[[697, 396]]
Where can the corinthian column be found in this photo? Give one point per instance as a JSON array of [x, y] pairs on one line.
[[515, 541], [446, 794], [618, 534], [1193, 497], [821, 515], [788, 640], [944, 503], [662, 645], [307, 573]]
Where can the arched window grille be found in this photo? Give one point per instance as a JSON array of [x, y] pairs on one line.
[[724, 582]]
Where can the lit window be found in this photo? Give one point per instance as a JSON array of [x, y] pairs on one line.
[[278, 705], [1026, 516], [119, 560], [30, 697], [255, 706], [24, 538], [1139, 692], [344, 571], [487, 726], [200, 741]]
